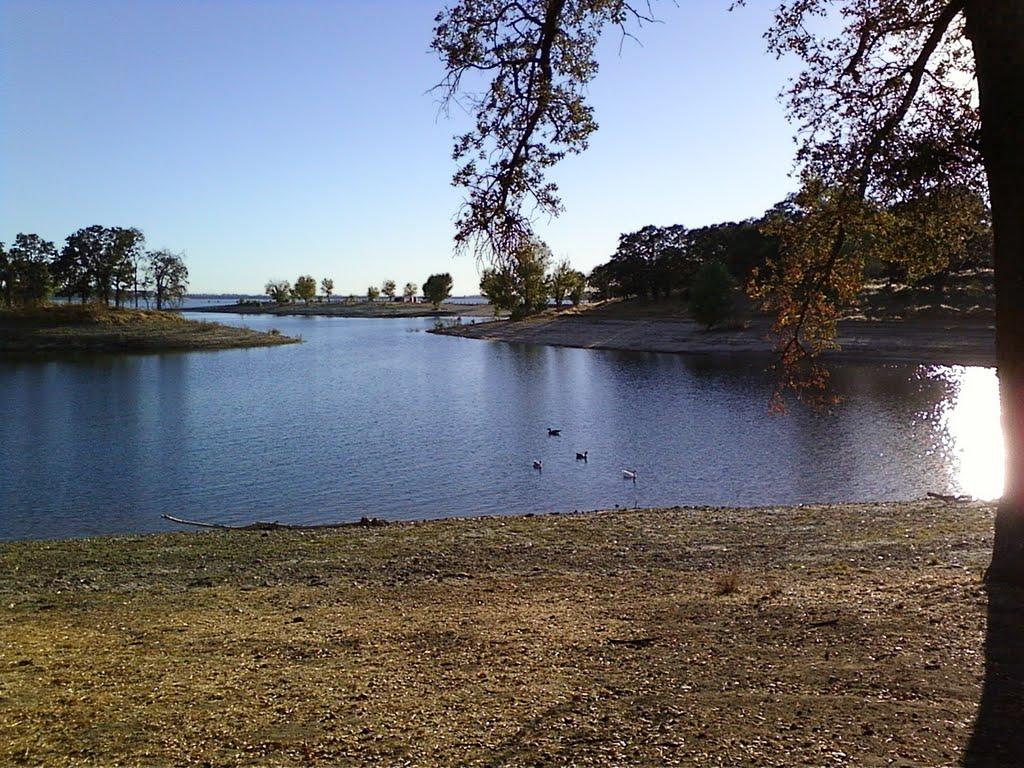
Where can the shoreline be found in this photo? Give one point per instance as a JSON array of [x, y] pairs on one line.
[[70, 330], [819, 634], [936, 341], [341, 309]]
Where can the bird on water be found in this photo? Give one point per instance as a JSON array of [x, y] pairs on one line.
[[554, 432]]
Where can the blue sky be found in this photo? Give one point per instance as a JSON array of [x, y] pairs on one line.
[[267, 139]]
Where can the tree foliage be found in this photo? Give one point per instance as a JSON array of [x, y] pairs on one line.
[[101, 262], [520, 287], [280, 291], [388, 288], [372, 292], [889, 156], [26, 270], [167, 274], [327, 286], [522, 68], [305, 288], [712, 295], [661, 261], [437, 288], [565, 281], [409, 292]]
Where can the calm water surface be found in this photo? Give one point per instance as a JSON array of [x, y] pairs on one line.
[[379, 418]]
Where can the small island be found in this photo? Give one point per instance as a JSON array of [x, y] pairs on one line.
[[94, 328]]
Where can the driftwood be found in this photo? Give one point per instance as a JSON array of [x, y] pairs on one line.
[[261, 525], [949, 497]]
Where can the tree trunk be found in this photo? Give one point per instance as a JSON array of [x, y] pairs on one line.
[[996, 29]]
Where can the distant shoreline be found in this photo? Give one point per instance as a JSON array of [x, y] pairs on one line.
[[935, 341], [342, 309]]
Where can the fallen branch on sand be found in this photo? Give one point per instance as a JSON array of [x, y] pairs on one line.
[[949, 497], [276, 526]]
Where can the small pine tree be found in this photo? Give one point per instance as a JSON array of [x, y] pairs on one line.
[[712, 294]]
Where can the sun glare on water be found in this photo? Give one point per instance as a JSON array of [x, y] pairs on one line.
[[971, 421]]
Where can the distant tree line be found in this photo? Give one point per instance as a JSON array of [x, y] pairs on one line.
[[105, 264], [436, 289], [662, 261]]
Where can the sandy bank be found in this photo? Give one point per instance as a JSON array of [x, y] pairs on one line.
[[840, 635], [966, 342]]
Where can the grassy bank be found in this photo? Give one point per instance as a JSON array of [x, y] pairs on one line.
[[63, 329], [822, 635]]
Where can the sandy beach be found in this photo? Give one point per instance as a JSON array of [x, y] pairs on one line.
[[938, 341]]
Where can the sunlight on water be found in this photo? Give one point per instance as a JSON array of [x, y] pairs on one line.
[[971, 419]]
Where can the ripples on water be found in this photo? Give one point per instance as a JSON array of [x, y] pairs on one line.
[[378, 418]]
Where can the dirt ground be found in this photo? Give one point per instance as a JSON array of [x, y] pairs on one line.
[[662, 327], [817, 635]]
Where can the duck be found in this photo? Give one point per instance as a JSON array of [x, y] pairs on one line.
[[581, 456], [538, 464], [629, 474], [554, 432]]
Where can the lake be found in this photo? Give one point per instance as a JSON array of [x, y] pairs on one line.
[[376, 417]]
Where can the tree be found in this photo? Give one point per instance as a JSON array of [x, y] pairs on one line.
[[437, 288], [519, 287], [168, 275], [280, 291], [327, 286], [498, 286], [602, 280], [305, 288], [577, 287], [372, 293], [907, 98], [100, 261], [126, 255], [6, 289], [28, 281], [559, 282], [920, 101], [388, 289], [409, 292], [712, 295], [539, 56], [75, 268]]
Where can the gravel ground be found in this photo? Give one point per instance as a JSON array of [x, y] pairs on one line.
[[816, 635]]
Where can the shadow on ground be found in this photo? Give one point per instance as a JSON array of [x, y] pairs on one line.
[[998, 738]]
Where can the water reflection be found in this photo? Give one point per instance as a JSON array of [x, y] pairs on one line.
[[969, 419], [369, 418]]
